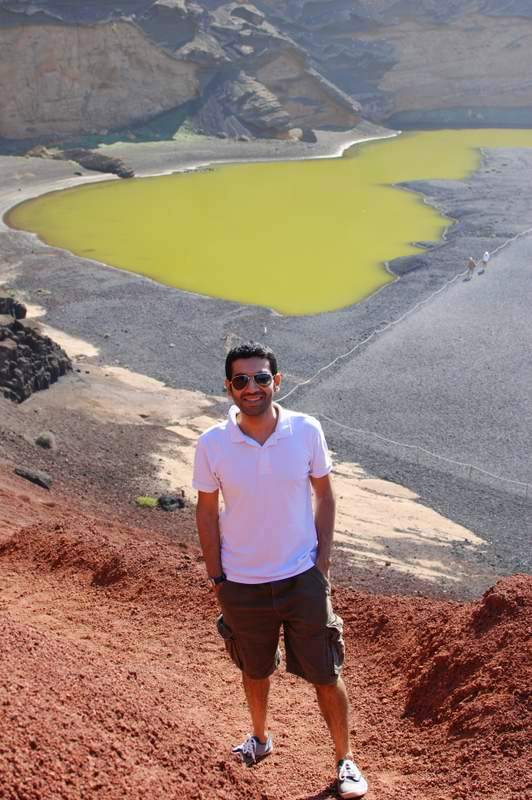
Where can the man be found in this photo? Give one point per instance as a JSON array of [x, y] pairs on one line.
[[267, 553], [471, 265], [485, 259]]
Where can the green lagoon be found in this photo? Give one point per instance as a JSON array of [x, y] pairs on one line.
[[300, 237]]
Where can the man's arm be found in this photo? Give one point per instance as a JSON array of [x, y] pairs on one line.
[[324, 514], [207, 520]]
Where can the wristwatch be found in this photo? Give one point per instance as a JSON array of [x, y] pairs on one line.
[[218, 579]]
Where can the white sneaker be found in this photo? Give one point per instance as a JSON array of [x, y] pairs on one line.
[[351, 782], [252, 749]]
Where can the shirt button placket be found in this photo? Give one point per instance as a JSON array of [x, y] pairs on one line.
[[265, 467]]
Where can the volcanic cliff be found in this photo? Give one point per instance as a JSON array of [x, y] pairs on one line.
[[273, 69]]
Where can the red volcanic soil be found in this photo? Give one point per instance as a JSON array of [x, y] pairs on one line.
[[114, 683]]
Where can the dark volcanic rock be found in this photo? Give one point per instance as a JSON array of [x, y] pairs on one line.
[[35, 476], [171, 502], [308, 135], [28, 361], [12, 307], [46, 440], [241, 105], [98, 162]]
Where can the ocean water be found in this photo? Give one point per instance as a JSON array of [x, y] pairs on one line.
[[299, 237]]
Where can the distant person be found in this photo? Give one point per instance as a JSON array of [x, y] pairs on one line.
[[268, 554], [471, 266], [485, 259]]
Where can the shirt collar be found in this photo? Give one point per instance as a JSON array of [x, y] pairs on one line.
[[282, 429]]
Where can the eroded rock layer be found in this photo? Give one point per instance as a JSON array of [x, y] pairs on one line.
[[237, 68], [439, 61], [100, 66], [68, 80]]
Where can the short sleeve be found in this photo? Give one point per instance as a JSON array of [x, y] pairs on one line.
[[321, 463], [203, 478]]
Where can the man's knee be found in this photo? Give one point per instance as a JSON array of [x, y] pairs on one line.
[[254, 680], [330, 687]]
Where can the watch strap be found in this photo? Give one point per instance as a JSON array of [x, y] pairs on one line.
[[217, 579]]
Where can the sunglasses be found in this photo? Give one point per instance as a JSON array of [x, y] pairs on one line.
[[240, 382]]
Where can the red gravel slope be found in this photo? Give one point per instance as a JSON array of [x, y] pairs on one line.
[[114, 683]]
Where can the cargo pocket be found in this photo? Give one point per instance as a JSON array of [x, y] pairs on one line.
[[229, 640], [321, 579], [335, 629]]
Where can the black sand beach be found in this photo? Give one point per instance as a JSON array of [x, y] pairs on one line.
[[451, 376]]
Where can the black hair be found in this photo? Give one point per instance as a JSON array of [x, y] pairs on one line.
[[249, 350]]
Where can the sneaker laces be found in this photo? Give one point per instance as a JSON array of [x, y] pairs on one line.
[[248, 748], [348, 769]]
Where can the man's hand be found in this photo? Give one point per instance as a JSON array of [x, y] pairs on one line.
[[323, 567], [215, 589]]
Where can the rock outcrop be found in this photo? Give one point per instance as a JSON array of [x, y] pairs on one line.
[[28, 361], [98, 162], [69, 80], [241, 105], [75, 69], [90, 159], [11, 307], [440, 61], [69, 69], [270, 56]]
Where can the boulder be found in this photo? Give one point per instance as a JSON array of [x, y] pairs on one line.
[[171, 502], [97, 162], [46, 440], [29, 361], [36, 476], [308, 135], [8, 305]]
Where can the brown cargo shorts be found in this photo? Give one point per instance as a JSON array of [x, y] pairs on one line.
[[313, 634]]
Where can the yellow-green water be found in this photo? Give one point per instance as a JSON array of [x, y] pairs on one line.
[[300, 237]]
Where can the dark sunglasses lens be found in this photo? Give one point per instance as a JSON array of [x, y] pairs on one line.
[[263, 378], [239, 381]]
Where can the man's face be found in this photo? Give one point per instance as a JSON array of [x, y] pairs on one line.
[[252, 400]]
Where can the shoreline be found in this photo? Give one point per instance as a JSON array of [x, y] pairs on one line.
[[94, 303], [329, 145], [200, 165]]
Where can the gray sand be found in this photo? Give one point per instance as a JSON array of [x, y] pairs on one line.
[[451, 376], [455, 377]]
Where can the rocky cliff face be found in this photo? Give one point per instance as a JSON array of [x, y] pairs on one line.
[[78, 79], [421, 61], [264, 69], [76, 68]]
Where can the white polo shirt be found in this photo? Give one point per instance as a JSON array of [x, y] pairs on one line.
[[267, 525]]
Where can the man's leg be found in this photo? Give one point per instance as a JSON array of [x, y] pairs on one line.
[[334, 705], [257, 691]]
